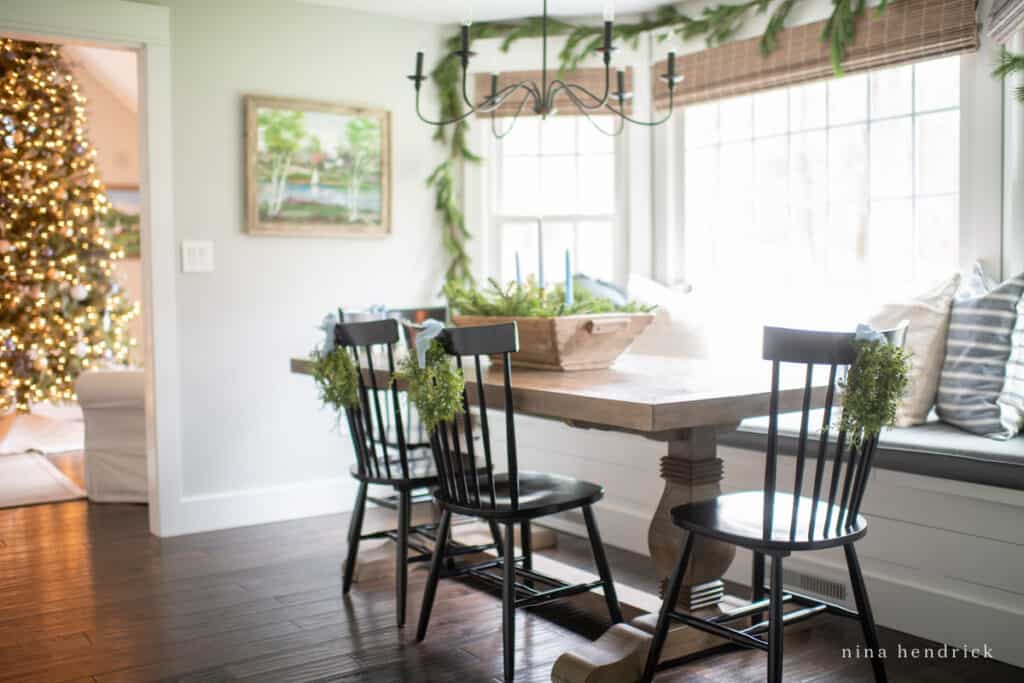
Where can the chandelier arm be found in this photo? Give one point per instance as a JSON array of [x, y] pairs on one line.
[[666, 117], [515, 118], [440, 122], [465, 91], [559, 85], [616, 128], [489, 103]]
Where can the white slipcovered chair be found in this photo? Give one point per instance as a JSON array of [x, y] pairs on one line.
[[113, 405]]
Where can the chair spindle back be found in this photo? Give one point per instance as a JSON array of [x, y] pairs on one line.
[[851, 458], [369, 424], [462, 481]]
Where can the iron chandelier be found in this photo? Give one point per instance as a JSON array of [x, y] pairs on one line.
[[541, 96]]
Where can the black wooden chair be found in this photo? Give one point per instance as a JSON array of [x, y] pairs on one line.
[[510, 498], [777, 524], [383, 458]]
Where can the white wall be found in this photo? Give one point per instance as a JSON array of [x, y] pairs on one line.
[[254, 444]]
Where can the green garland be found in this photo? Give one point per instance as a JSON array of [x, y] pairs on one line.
[[529, 300], [435, 390], [873, 388], [1010, 63], [717, 24], [335, 375]]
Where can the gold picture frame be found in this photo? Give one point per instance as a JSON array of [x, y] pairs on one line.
[[316, 169]]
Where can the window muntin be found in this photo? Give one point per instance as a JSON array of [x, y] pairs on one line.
[[829, 185], [562, 170]]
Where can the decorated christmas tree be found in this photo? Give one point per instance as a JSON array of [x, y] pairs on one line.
[[61, 310]]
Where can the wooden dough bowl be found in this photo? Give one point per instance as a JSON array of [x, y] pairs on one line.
[[569, 342]]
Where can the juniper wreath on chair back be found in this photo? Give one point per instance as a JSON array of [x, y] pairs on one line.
[[433, 385], [333, 370], [876, 377]]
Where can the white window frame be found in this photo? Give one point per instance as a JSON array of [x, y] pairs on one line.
[[981, 233], [496, 220]]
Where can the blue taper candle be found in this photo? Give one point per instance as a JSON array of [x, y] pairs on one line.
[[568, 279], [519, 273], [540, 252]]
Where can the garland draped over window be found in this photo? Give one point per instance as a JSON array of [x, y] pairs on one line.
[[836, 37]]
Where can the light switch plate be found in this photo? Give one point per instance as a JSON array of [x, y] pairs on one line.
[[196, 256]]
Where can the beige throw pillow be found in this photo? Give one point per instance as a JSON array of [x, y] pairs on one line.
[[928, 315]]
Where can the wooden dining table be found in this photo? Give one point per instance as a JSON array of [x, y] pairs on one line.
[[685, 404]]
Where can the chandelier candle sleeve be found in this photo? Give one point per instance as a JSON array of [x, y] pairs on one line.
[[465, 45]]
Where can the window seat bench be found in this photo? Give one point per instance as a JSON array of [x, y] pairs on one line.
[[933, 449]]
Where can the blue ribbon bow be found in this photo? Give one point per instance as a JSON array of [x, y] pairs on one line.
[[327, 325], [424, 336], [869, 334]]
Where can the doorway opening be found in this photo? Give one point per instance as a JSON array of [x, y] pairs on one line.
[[72, 399]]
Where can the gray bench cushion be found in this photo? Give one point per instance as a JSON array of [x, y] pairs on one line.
[[933, 449]]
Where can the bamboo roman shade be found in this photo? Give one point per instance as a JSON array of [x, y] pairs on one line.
[[1007, 18], [590, 78], [907, 31]]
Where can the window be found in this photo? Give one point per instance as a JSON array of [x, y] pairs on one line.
[[562, 170], [827, 186]]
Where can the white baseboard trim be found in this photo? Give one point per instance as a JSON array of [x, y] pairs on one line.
[[230, 509], [620, 526]]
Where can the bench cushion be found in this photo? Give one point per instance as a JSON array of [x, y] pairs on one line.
[[933, 449]]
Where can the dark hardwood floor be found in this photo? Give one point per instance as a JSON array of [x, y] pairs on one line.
[[86, 594]]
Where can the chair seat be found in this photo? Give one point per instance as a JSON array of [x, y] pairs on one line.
[[539, 495], [737, 518]]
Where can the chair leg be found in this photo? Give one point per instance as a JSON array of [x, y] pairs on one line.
[[667, 606], [355, 530], [402, 554], [775, 624], [526, 545], [508, 604], [867, 620], [603, 570], [499, 545], [435, 573], [526, 542], [757, 584]]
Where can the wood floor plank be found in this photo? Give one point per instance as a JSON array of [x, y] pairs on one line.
[[88, 595]]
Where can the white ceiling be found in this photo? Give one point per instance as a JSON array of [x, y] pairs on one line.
[[116, 69], [455, 11]]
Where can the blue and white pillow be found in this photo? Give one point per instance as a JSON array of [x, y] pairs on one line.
[[981, 389]]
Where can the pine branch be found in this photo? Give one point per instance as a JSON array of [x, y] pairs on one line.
[[1009, 64], [777, 22]]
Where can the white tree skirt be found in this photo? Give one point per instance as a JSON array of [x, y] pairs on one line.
[[29, 478], [47, 429]]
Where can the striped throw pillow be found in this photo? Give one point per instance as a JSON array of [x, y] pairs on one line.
[[981, 389]]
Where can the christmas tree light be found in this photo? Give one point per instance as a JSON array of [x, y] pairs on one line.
[[61, 310]]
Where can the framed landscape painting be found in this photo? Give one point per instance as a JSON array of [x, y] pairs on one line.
[[317, 169]]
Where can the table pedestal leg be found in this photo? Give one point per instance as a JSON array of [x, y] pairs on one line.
[[692, 471]]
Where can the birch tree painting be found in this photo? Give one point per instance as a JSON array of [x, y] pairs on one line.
[[317, 169]]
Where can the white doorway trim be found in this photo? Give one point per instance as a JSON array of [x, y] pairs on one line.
[[145, 28]]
